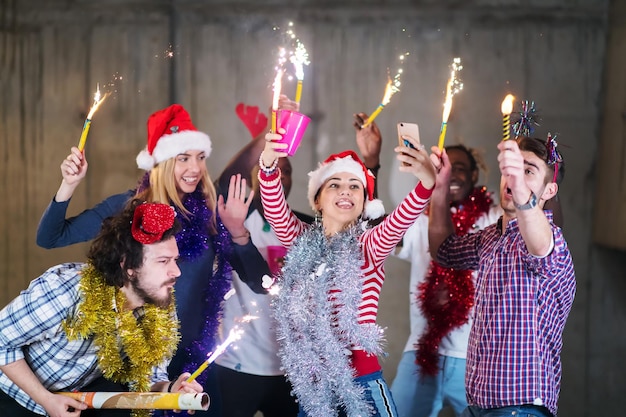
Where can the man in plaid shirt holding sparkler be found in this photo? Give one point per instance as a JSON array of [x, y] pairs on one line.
[[525, 286]]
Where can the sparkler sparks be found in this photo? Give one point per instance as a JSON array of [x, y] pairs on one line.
[[392, 87], [453, 87], [98, 99]]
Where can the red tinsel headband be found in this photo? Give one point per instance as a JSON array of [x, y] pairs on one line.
[[150, 221]]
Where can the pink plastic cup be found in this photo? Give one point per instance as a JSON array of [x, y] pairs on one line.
[[276, 258], [295, 125]]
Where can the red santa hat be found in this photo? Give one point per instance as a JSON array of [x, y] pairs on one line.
[[346, 161], [171, 132]]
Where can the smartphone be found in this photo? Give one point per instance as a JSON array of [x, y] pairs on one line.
[[408, 129]]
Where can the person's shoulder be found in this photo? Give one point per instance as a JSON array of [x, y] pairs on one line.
[[64, 271], [58, 279]]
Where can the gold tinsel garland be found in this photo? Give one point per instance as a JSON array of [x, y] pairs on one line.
[[146, 341]]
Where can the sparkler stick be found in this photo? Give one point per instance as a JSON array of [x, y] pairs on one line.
[[277, 86], [97, 100], [235, 334], [452, 88], [393, 86], [507, 108]]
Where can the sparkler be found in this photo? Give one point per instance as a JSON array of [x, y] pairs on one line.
[[277, 87], [452, 88], [97, 100], [507, 108], [393, 86], [299, 57], [234, 334]]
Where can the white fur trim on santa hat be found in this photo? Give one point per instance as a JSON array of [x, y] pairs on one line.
[[373, 209], [168, 146], [318, 177]]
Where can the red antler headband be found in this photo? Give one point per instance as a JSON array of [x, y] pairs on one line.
[[150, 221]]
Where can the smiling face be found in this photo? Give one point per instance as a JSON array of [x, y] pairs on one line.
[[536, 174], [463, 177], [188, 171], [152, 283], [340, 200]]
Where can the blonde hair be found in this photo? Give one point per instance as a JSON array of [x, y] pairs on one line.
[[163, 189]]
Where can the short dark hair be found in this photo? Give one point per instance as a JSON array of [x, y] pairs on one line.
[[115, 250], [468, 152], [540, 148]]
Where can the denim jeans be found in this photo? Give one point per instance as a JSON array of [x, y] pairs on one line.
[[424, 396], [377, 394], [514, 410]]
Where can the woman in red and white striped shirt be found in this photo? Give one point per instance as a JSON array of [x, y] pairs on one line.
[[327, 295]]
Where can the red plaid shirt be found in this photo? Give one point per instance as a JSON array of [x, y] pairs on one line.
[[522, 303]]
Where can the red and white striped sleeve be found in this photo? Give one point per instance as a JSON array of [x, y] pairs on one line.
[[284, 222]]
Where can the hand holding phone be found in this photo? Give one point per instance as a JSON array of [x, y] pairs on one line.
[[408, 129]]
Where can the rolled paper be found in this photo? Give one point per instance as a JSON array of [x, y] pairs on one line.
[[83, 135], [142, 400], [298, 91], [442, 134], [373, 115]]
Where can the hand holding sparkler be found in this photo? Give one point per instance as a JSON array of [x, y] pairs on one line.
[[97, 100], [368, 140], [453, 86]]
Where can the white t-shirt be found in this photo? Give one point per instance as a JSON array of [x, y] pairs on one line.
[[256, 352], [415, 250]]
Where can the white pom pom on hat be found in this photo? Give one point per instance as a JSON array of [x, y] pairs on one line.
[[171, 132], [346, 161]]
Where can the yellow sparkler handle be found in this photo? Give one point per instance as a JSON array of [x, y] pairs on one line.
[[198, 371], [83, 135], [273, 121], [506, 126], [298, 91], [442, 135], [373, 115]]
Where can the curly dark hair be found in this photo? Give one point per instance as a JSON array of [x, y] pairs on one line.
[[539, 148], [115, 250]]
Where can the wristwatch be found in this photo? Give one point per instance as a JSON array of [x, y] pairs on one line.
[[532, 202]]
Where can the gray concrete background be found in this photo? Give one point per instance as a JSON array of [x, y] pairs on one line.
[[52, 54]]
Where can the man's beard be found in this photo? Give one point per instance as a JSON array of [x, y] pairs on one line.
[[149, 299]]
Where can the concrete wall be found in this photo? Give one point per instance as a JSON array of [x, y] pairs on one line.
[[53, 54]]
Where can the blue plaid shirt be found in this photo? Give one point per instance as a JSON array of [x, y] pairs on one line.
[[522, 303], [31, 329]]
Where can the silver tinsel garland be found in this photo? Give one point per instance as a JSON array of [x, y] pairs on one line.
[[314, 337]]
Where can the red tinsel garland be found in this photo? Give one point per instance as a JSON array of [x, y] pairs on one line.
[[447, 295]]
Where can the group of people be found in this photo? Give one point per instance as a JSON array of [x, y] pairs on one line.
[[156, 293]]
